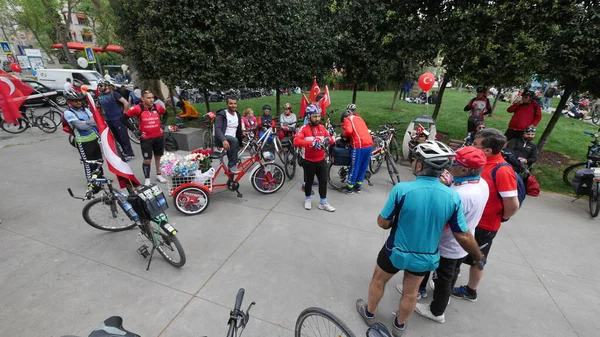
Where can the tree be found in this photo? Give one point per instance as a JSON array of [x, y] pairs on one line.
[[572, 32], [102, 20], [29, 15], [61, 27]]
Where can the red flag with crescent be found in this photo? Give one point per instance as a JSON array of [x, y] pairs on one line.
[[13, 92], [325, 101], [314, 91], [303, 104]]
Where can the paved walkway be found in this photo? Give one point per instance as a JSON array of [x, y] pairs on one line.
[[60, 276]]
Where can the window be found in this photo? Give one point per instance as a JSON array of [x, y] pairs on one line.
[[82, 20], [87, 37], [73, 36]]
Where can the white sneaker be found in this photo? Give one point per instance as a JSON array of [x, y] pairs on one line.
[[432, 284], [161, 179], [327, 207], [420, 294], [307, 204], [147, 182], [425, 311]]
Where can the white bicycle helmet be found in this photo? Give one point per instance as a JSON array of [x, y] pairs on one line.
[[436, 154], [351, 107]]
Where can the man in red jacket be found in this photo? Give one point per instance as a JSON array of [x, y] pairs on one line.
[[356, 130], [527, 114]]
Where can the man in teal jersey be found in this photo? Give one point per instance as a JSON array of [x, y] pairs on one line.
[[417, 213]]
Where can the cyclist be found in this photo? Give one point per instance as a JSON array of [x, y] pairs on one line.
[[525, 151], [352, 108], [113, 105], [84, 128], [266, 121], [526, 113], [287, 122], [150, 132], [417, 213], [356, 130], [311, 138], [478, 107], [228, 132]]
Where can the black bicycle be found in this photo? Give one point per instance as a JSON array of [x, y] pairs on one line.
[[593, 160], [29, 120], [320, 322]]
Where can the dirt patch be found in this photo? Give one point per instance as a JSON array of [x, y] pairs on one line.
[[553, 159]]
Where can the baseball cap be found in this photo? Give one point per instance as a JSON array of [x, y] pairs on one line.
[[470, 157]]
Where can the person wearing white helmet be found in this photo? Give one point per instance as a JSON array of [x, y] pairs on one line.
[[417, 213]]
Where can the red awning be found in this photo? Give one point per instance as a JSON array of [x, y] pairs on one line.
[[116, 49], [80, 16], [81, 46]]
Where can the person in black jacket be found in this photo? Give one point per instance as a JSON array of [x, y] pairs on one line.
[[228, 132], [525, 151]]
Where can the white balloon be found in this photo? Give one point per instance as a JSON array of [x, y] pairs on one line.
[[82, 62], [124, 67]]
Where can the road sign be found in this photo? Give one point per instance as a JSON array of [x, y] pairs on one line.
[[11, 58], [89, 53], [5, 47]]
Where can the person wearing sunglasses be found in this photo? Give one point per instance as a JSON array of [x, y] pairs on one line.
[[525, 151]]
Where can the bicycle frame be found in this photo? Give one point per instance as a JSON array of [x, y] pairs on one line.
[[244, 167]]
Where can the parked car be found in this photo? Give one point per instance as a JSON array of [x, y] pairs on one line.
[[40, 92]]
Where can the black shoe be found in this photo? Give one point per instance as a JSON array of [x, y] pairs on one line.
[[357, 189]]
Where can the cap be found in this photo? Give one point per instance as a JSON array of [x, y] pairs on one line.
[[470, 157]]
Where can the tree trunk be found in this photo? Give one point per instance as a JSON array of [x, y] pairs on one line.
[[395, 96], [438, 103], [277, 101], [354, 94], [206, 100], [557, 114], [172, 93], [495, 101]]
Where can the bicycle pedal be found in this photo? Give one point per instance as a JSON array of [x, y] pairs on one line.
[[239, 195], [143, 251]]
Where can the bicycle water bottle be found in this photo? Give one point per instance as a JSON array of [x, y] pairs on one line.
[[131, 213]]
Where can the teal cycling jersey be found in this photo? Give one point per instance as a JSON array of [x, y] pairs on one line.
[[419, 211]]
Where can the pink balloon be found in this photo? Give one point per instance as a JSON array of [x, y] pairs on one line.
[[426, 81]]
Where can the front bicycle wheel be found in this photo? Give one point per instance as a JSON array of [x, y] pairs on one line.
[[72, 141], [394, 150], [279, 148], [55, 116], [208, 139], [320, 322], [167, 245], [133, 137], [596, 115], [268, 178], [12, 128], [191, 200], [337, 176], [569, 172], [290, 163], [392, 169], [46, 124], [106, 214], [593, 200]]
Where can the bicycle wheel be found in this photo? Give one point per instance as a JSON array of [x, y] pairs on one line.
[[133, 137], [375, 163], [106, 214], [337, 176], [290, 163], [392, 169], [279, 149], [596, 115], [569, 172], [268, 178], [171, 144], [208, 139], [167, 245], [320, 322], [394, 151], [12, 128], [72, 141], [46, 124], [593, 200], [191, 200], [55, 116]]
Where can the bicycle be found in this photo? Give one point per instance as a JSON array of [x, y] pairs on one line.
[[595, 113], [337, 175], [384, 152], [145, 204], [29, 120], [290, 152], [593, 160], [588, 176], [320, 322], [210, 130], [191, 194]]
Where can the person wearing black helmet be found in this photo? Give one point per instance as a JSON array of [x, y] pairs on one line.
[[266, 121], [479, 106], [84, 129], [525, 151], [113, 105], [527, 113]]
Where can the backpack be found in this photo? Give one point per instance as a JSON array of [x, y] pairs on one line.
[[521, 189], [65, 125]]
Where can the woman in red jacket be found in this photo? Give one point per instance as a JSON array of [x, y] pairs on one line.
[[311, 138], [527, 113]]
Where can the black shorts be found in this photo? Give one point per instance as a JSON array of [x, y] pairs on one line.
[[152, 145], [384, 262], [484, 239]]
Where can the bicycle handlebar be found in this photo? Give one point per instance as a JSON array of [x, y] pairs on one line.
[[93, 162], [239, 298]]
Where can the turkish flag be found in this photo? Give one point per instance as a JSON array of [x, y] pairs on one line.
[[420, 129], [303, 104], [115, 164], [13, 92], [314, 91], [325, 101]]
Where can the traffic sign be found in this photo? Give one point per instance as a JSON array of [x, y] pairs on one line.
[[5, 47], [89, 53], [11, 58]]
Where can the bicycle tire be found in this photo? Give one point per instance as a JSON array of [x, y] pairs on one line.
[[392, 169], [13, 128], [167, 245], [122, 221], [72, 141], [596, 115], [171, 144], [133, 137], [569, 172], [55, 116], [394, 150], [208, 139], [593, 201], [337, 176], [46, 124], [191, 200], [320, 327], [290, 164], [375, 163], [277, 145], [268, 178]]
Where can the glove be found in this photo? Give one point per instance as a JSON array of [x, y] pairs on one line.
[[480, 264], [138, 133], [317, 144]]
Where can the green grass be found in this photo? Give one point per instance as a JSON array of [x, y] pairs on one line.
[[567, 137]]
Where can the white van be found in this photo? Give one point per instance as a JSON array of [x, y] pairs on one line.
[[55, 78]]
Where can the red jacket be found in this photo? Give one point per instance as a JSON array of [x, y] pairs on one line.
[[305, 138], [524, 115], [358, 132]]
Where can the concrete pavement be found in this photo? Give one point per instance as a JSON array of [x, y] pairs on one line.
[[59, 276]]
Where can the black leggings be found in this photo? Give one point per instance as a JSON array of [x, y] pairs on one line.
[[90, 151], [310, 170]]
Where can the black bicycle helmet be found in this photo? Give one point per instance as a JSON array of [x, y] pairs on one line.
[[266, 107], [530, 129], [481, 89], [344, 115], [73, 95], [527, 93]]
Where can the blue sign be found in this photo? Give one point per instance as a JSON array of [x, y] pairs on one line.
[[89, 53], [5, 47]]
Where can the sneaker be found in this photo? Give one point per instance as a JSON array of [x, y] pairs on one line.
[[432, 284], [307, 204], [397, 331], [161, 179], [147, 182], [349, 190], [361, 307], [234, 170], [421, 294], [327, 207], [462, 292], [129, 158], [357, 189], [425, 311]]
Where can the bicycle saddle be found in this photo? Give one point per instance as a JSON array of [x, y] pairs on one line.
[[218, 154], [112, 327]]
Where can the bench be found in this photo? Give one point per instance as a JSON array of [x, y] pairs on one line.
[[189, 139]]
